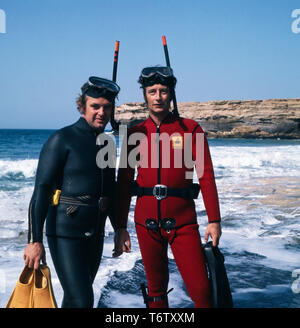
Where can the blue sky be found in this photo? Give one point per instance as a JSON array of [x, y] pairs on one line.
[[219, 49]]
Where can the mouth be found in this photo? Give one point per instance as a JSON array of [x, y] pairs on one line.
[[99, 121]]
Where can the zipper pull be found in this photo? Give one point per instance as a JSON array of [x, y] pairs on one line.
[[157, 134]]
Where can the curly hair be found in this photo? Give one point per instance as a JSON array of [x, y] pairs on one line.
[[81, 101]]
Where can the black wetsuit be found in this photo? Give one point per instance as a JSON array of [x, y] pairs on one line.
[[75, 233]]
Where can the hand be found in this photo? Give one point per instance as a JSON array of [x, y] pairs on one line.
[[122, 242], [214, 231], [33, 254]]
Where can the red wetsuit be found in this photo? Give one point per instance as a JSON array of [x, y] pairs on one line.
[[158, 165]]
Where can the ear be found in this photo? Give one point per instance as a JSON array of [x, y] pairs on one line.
[[82, 110], [144, 94]]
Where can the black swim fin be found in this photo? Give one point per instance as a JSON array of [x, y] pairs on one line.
[[221, 293]]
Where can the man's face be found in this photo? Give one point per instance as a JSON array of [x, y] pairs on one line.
[[97, 112], [158, 98]]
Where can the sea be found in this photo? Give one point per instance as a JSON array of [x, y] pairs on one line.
[[258, 182]]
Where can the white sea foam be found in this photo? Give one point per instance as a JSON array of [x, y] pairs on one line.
[[256, 161], [25, 167]]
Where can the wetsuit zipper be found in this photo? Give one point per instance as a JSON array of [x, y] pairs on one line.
[[159, 167], [158, 174]]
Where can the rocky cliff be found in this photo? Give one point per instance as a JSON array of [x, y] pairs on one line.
[[272, 118]]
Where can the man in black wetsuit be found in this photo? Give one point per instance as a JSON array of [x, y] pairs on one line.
[[75, 224]]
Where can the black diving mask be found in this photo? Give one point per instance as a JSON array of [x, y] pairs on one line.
[[157, 75], [98, 87], [163, 71]]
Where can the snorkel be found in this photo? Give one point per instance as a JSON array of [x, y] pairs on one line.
[[114, 124], [175, 109]]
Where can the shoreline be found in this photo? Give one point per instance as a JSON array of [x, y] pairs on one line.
[[273, 119]]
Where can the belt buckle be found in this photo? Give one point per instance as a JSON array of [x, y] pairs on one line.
[[160, 191]]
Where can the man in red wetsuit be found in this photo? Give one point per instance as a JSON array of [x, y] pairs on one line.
[[165, 209]]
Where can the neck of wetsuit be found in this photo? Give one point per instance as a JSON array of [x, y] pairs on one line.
[[162, 121]]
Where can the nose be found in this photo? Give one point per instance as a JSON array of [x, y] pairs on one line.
[[158, 95], [100, 111]]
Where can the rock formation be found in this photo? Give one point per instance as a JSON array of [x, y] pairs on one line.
[[272, 118]]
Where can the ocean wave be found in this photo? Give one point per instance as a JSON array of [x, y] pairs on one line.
[[19, 169], [260, 161]]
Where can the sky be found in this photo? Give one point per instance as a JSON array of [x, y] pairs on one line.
[[219, 50]]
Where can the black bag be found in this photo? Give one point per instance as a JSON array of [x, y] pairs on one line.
[[220, 288]]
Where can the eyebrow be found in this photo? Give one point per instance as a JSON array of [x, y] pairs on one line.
[[95, 105], [162, 89]]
